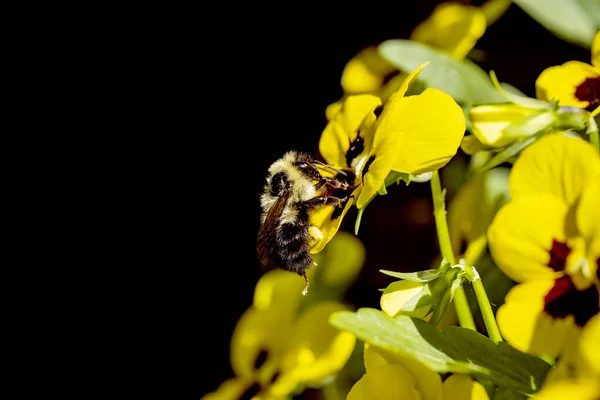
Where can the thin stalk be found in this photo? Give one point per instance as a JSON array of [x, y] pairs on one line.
[[484, 304], [465, 318], [595, 140]]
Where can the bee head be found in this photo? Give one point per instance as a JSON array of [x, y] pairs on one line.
[[304, 164]]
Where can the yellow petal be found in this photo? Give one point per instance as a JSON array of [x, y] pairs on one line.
[[387, 382], [588, 211], [333, 109], [279, 291], [596, 50], [407, 82], [427, 131], [366, 72], [427, 382], [234, 389], [523, 234], [490, 121], [557, 164], [580, 389], [471, 145], [525, 325], [452, 28], [352, 121], [463, 387], [414, 134], [328, 219], [589, 349], [342, 261], [258, 341], [560, 83], [317, 350], [403, 297]]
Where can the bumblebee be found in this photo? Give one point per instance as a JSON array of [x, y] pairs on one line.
[[295, 185]]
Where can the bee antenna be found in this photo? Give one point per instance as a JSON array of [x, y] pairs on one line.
[[330, 167]]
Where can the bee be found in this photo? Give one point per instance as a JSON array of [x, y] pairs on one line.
[[295, 186]]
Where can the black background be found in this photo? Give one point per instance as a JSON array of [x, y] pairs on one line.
[[242, 85]]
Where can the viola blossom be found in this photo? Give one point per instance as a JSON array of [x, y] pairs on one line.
[[452, 28], [409, 134], [577, 374], [391, 376], [275, 350], [547, 238], [573, 83]]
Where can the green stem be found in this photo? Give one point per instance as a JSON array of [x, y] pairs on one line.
[[595, 140], [484, 304], [465, 318]]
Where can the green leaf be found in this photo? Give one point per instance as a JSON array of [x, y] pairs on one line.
[[523, 101], [507, 394], [508, 153], [420, 276], [564, 18], [592, 8], [455, 349], [464, 80]]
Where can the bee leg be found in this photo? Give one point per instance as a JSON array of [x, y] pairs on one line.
[[305, 290], [321, 201], [328, 181]]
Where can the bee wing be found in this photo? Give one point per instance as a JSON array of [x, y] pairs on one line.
[[267, 229]]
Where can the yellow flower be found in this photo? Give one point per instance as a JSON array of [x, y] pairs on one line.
[[574, 83], [275, 350], [498, 125], [390, 376], [413, 134], [547, 238], [453, 28], [577, 374]]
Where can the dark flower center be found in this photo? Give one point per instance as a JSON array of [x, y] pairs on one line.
[[558, 255], [250, 392], [589, 91], [356, 147], [260, 359], [564, 299]]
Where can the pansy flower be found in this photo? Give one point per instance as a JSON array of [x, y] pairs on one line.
[[391, 376], [277, 349], [409, 134], [573, 83], [577, 374], [548, 239], [452, 28]]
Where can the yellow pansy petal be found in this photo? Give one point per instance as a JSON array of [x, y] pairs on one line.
[[388, 382], [233, 389], [343, 259], [333, 109], [366, 72], [279, 291], [489, 122], [426, 129], [526, 235], [316, 350], [258, 341], [588, 210], [580, 389], [596, 50], [407, 82], [452, 28], [525, 325], [342, 130], [561, 82], [558, 164], [463, 387], [427, 382], [328, 219], [589, 349], [400, 297]]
